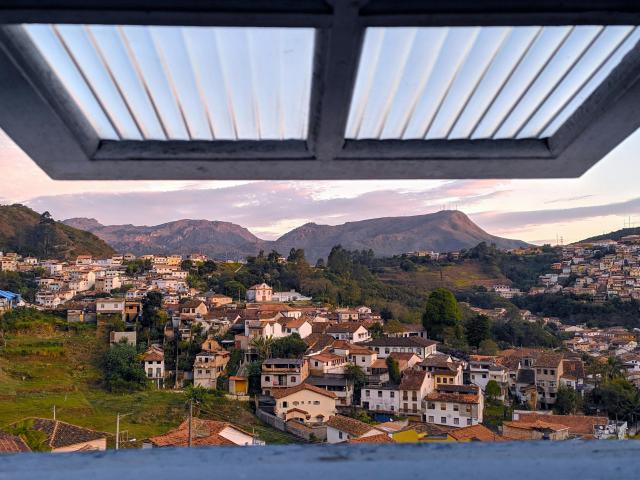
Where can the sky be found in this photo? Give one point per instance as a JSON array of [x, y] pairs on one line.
[[394, 79], [538, 211]]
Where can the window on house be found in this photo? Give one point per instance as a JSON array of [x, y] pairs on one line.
[[468, 421], [443, 419], [456, 421], [443, 406], [379, 394], [285, 404], [316, 402], [552, 372], [267, 378], [367, 393], [340, 435], [431, 406], [296, 403], [484, 375], [293, 379], [431, 419], [456, 408], [392, 394]]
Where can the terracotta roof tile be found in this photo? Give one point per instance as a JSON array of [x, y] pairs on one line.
[[349, 425], [475, 432], [285, 392], [380, 438], [12, 444]]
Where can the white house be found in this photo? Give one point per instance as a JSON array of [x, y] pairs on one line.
[[153, 360]]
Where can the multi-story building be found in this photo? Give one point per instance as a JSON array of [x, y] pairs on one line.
[[208, 367], [283, 373], [454, 405]]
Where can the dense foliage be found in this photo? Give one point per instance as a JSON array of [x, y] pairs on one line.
[[442, 316], [122, 370], [23, 283]]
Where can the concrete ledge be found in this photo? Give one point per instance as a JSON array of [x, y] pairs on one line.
[[618, 460]]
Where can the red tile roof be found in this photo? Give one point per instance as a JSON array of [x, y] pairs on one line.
[[204, 433], [380, 438], [285, 392], [349, 425]]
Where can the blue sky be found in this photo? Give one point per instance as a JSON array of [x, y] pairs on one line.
[[256, 84]]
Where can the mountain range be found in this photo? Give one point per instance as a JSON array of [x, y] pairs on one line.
[[447, 230]]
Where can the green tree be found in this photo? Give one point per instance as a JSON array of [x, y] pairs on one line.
[[356, 375], [492, 390], [442, 311], [567, 401], [393, 326], [618, 398], [121, 369], [376, 330], [394, 370], [386, 314], [262, 346], [234, 289], [488, 347], [478, 329], [291, 346], [36, 440]]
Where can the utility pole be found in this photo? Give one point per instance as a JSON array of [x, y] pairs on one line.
[[190, 421], [54, 412], [118, 417]]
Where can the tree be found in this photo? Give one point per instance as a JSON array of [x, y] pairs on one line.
[[442, 311], [234, 289], [36, 440], [386, 314], [393, 326], [122, 370], [617, 397], [196, 395], [376, 330], [567, 401], [262, 345], [291, 346], [477, 330], [394, 370], [492, 390], [356, 375], [488, 347]]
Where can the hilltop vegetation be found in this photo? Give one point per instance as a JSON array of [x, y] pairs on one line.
[[616, 235], [32, 234]]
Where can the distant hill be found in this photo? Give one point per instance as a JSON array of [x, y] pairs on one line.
[[617, 235], [216, 239], [441, 231], [27, 232]]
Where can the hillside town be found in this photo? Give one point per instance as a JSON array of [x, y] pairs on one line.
[[325, 373], [599, 270]]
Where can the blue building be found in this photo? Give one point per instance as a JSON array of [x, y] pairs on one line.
[[9, 300]]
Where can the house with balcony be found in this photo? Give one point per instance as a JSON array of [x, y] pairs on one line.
[[341, 386], [454, 405], [280, 373], [208, 367]]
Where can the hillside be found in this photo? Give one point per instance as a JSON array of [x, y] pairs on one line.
[[45, 366], [616, 235], [30, 233], [441, 231], [219, 239]]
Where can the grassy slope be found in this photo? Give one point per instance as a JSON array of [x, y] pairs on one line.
[[454, 276], [40, 370]]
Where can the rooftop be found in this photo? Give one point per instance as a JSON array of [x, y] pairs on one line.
[[562, 460]]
